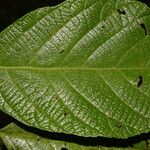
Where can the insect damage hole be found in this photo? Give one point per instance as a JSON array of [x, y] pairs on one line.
[[119, 126], [122, 12], [142, 25], [103, 26], [65, 114], [62, 51], [140, 81]]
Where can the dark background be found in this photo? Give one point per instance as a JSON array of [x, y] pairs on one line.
[[11, 10]]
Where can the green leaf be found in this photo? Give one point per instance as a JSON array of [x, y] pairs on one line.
[[19, 139], [82, 67]]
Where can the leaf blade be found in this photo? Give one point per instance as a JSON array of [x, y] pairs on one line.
[[82, 77]]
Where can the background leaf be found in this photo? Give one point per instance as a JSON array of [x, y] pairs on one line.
[[81, 68]]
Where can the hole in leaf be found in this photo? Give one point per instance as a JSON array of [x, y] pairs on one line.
[[63, 148], [140, 82], [119, 125], [62, 51], [103, 26], [142, 25], [65, 114], [122, 12]]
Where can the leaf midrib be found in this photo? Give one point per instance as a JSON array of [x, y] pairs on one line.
[[69, 68]]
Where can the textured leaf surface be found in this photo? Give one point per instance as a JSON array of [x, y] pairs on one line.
[[81, 68], [19, 139], [16, 138]]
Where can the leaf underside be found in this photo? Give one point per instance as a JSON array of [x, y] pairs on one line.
[[82, 67]]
